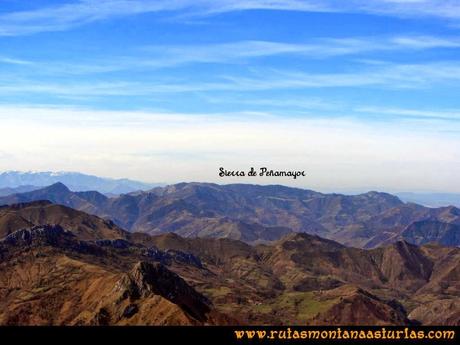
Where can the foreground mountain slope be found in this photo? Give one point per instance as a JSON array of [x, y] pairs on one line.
[[48, 276], [355, 306], [443, 311], [84, 270], [303, 276], [303, 262]]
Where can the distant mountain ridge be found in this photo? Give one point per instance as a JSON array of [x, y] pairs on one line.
[[75, 181], [260, 214], [15, 190]]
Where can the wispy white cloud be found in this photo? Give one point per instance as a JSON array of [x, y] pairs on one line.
[[14, 61], [448, 9], [391, 76], [388, 76], [211, 7], [424, 42], [280, 103], [241, 52], [80, 12], [65, 16], [317, 48], [77, 13], [443, 114]]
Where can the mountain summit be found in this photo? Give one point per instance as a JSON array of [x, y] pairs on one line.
[[73, 180]]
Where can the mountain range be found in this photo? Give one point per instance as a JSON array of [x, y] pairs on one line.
[[262, 214], [61, 266], [27, 181]]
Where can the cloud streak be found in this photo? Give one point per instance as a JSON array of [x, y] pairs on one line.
[[447, 115], [386, 76], [66, 16], [318, 48], [77, 13], [241, 52], [14, 61]]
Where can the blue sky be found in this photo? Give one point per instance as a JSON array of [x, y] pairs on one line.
[[360, 94]]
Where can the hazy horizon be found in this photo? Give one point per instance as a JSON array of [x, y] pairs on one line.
[[224, 181], [166, 91]]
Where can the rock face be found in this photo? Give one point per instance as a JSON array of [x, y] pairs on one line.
[[117, 243], [150, 294], [47, 276], [171, 255], [147, 279], [47, 234]]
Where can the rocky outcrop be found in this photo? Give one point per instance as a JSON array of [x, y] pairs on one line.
[[359, 307], [147, 279], [117, 243], [47, 234], [169, 256]]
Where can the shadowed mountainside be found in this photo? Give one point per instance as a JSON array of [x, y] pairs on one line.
[[261, 214]]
